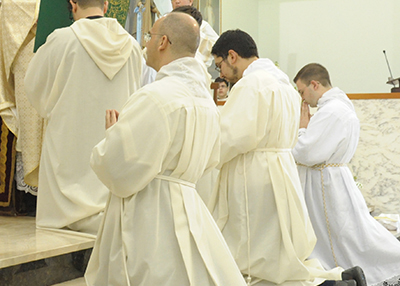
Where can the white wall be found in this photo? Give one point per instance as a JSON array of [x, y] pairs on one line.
[[346, 36]]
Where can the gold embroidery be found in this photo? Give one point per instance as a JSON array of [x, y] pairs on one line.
[[321, 167], [3, 158], [118, 9], [3, 165]]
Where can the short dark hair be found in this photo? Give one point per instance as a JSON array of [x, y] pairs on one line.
[[237, 40], [311, 72], [191, 11], [86, 4], [90, 3], [220, 79]]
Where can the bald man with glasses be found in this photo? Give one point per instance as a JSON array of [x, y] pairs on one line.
[[157, 230]]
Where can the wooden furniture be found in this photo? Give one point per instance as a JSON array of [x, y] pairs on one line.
[[214, 86], [374, 95]]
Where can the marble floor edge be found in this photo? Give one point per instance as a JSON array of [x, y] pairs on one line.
[[22, 242]]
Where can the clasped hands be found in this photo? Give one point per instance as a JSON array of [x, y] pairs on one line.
[[111, 117], [305, 115]]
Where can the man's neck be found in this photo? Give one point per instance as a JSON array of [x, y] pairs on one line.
[[245, 63], [89, 12], [324, 89]]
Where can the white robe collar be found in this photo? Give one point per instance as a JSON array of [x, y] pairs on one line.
[[334, 93], [191, 72], [267, 65]]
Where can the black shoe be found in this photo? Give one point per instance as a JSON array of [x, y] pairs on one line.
[[346, 283], [355, 273]]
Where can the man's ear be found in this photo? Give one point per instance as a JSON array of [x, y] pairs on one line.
[[232, 56], [315, 84], [74, 6], [105, 7], [164, 43]]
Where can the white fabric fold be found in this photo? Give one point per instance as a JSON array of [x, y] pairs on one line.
[[111, 46]]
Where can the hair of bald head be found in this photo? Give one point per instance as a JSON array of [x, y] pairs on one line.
[[183, 32], [90, 3], [313, 71]]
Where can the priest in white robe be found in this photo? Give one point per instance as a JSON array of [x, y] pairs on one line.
[[79, 72], [156, 229], [258, 202], [346, 233]]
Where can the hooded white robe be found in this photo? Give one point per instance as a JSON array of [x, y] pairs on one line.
[[79, 72], [258, 203], [156, 228], [357, 238]]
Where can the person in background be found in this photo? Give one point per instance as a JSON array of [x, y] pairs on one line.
[[79, 72], [346, 233], [222, 94]]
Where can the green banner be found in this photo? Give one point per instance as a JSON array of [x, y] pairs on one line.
[[54, 14]]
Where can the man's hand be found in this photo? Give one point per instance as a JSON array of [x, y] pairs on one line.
[[111, 117], [305, 115]]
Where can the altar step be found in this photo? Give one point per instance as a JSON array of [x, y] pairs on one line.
[[76, 282], [36, 257]]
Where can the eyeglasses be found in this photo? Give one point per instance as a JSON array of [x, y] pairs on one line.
[[147, 37], [218, 66]]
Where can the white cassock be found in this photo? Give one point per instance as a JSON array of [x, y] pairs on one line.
[[156, 228], [79, 72], [208, 37], [331, 140], [258, 203]]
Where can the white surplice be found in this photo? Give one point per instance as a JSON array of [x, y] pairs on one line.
[[156, 228], [357, 238], [258, 203], [208, 37], [79, 72]]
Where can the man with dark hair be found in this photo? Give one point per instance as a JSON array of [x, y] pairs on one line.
[[156, 229], [79, 72], [258, 202], [346, 233], [207, 34], [238, 41]]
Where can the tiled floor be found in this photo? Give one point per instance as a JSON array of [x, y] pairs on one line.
[[21, 242]]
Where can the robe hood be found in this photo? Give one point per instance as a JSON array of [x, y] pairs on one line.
[[335, 93], [270, 67], [191, 72], [106, 42]]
